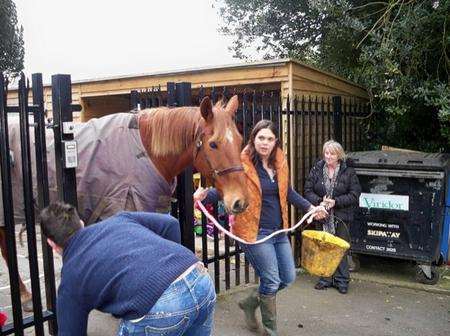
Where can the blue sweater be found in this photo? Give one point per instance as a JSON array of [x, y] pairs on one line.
[[120, 266], [270, 217]]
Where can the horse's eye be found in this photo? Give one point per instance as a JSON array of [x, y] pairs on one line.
[[213, 145]]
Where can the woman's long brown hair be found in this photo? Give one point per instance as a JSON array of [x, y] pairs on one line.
[[253, 154]]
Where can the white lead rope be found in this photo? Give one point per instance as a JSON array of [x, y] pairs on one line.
[[308, 217]]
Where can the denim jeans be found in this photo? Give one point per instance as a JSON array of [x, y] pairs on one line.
[[185, 308], [273, 262]]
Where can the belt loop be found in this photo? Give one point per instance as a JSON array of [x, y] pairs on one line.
[[201, 267]]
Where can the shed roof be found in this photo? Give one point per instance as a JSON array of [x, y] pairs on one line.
[[255, 64]]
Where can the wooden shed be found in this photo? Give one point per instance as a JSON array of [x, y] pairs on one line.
[[102, 96]]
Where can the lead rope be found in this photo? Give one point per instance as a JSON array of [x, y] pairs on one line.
[[308, 217]]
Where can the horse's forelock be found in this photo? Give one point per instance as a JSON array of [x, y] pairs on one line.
[[222, 123]]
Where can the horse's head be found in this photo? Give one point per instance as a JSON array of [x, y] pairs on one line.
[[217, 153]]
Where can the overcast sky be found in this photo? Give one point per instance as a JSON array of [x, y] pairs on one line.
[[98, 38]]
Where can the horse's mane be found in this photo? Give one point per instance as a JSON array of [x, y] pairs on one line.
[[172, 130]]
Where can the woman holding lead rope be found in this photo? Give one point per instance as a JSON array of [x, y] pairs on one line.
[[333, 183], [267, 177]]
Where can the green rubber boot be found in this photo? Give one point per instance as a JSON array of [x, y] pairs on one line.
[[269, 314], [249, 306]]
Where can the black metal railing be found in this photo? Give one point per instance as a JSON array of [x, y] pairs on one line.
[[147, 98], [32, 121]]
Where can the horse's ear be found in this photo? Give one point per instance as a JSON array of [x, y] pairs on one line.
[[232, 105], [206, 109]]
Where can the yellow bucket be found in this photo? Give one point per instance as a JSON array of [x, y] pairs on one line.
[[322, 252]]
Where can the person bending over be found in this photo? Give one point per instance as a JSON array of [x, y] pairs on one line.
[[132, 266]]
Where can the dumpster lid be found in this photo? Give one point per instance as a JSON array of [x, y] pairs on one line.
[[400, 160]]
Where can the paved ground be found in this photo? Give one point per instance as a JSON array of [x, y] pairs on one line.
[[384, 299], [23, 263], [368, 309]]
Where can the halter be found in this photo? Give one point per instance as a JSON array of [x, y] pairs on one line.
[[215, 173]]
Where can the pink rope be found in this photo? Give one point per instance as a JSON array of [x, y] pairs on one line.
[[308, 217]]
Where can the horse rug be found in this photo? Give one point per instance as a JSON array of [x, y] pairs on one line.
[[114, 172]]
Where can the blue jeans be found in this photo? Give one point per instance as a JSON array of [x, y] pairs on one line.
[[185, 308], [273, 262]]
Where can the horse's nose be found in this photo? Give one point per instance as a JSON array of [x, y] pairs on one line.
[[239, 206]]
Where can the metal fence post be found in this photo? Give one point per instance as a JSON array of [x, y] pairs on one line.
[[27, 183], [183, 94], [184, 185], [62, 113], [8, 212], [43, 193], [171, 103], [337, 118], [171, 94], [134, 100]]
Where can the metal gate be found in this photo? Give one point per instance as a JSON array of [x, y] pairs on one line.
[[33, 116]]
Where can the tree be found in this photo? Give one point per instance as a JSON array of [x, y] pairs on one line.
[[12, 50], [398, 49]]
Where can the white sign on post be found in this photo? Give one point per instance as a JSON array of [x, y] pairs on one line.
[[384, 201], [70, 154]]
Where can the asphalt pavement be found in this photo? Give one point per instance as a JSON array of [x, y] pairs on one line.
[[384, 299]]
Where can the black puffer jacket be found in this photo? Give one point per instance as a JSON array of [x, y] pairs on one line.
[[346, 192]]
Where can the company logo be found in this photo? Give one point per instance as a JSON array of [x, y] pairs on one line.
[[384, 201]]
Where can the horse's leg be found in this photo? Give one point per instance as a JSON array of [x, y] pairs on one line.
[[25, 295]]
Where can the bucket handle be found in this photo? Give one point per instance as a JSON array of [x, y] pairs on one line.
[[348, 238]]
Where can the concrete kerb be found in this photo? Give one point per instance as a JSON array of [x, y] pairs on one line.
[[442, 287]]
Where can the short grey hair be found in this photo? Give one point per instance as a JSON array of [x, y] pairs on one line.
[[335, 148]]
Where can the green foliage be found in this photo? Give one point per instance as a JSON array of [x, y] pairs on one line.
[[397, 49], [11, 40]]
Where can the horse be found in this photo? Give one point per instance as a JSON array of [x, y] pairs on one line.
[[129, 161]]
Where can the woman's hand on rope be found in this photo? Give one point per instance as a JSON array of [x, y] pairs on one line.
[[328, 203], [200, 194], [319, 212]]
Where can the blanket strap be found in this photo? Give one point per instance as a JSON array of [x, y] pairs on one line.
[[97, 211]]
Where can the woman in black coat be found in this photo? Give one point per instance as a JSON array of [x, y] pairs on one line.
[[334, 184]]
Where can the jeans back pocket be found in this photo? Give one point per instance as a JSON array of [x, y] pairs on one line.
[[167, 326]]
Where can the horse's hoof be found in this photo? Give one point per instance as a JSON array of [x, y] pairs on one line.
[[27, 306]]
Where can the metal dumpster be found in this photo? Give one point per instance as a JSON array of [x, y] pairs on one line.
[[404, 208]]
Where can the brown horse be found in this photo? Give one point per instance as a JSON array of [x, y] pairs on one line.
[[114, 175], [206, 137]]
